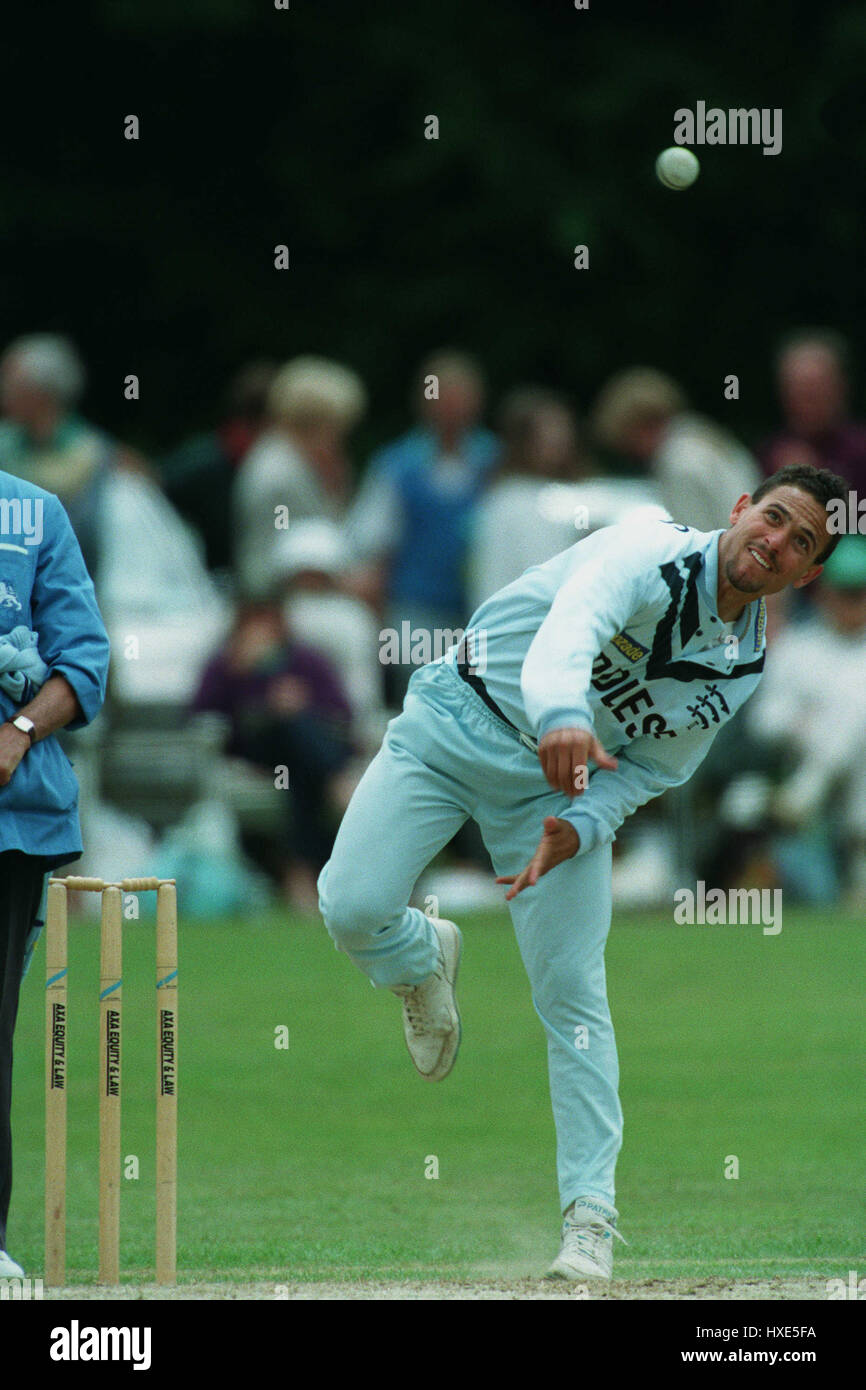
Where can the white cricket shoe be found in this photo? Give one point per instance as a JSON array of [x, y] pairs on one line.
[[8, 1268], [588, 1232], [431, 1023]]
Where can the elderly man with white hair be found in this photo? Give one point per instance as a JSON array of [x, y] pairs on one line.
[[297, 468], [43, 440]]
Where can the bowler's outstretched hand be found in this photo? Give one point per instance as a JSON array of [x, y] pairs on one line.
[[559, 841]]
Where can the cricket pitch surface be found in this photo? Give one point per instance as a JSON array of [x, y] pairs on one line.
[[494, 1289]]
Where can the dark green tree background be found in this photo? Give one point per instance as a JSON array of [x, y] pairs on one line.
[[306, 126]]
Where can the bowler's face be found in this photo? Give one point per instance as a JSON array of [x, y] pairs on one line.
[[774, 542]]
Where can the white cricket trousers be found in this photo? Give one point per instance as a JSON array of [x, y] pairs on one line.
[[444, 759]]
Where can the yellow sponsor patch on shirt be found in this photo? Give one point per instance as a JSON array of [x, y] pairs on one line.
[[631, 650]]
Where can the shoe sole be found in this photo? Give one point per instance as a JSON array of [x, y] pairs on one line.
[[443, 1068], [571, 1274]]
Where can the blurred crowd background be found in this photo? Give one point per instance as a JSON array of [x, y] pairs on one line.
[[292, 486], [267, 605]]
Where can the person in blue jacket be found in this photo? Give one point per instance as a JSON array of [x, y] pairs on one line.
[[53, 673]]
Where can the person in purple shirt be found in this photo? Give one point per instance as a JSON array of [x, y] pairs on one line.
[[286, 708], [813, 384]]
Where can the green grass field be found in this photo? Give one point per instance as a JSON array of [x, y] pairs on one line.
[[308, 1164]]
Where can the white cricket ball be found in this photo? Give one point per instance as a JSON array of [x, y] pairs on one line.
[[677, 167]]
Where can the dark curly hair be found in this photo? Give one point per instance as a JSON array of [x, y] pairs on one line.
[[820, 482]]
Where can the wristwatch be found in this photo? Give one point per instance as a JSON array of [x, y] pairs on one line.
[[25, 725]]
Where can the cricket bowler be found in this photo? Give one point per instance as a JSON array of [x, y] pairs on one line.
[[606, 674]]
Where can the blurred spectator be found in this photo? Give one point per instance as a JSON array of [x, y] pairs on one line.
[[297, 467], [44, 441], [806, 783], [310, 563], [286, 709], [512, 527], [699, 468], [198, 475], [812, 377], [541, 499], [153, 584], [409, 529]]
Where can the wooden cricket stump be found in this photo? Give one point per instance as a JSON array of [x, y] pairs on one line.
[[55, 1084], [110, 1039], [166, 1084]]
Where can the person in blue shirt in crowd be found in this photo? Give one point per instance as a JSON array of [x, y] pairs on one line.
[[410, 527], [53, 673]]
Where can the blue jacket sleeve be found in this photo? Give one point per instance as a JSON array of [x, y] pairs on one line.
[[73, 641]]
